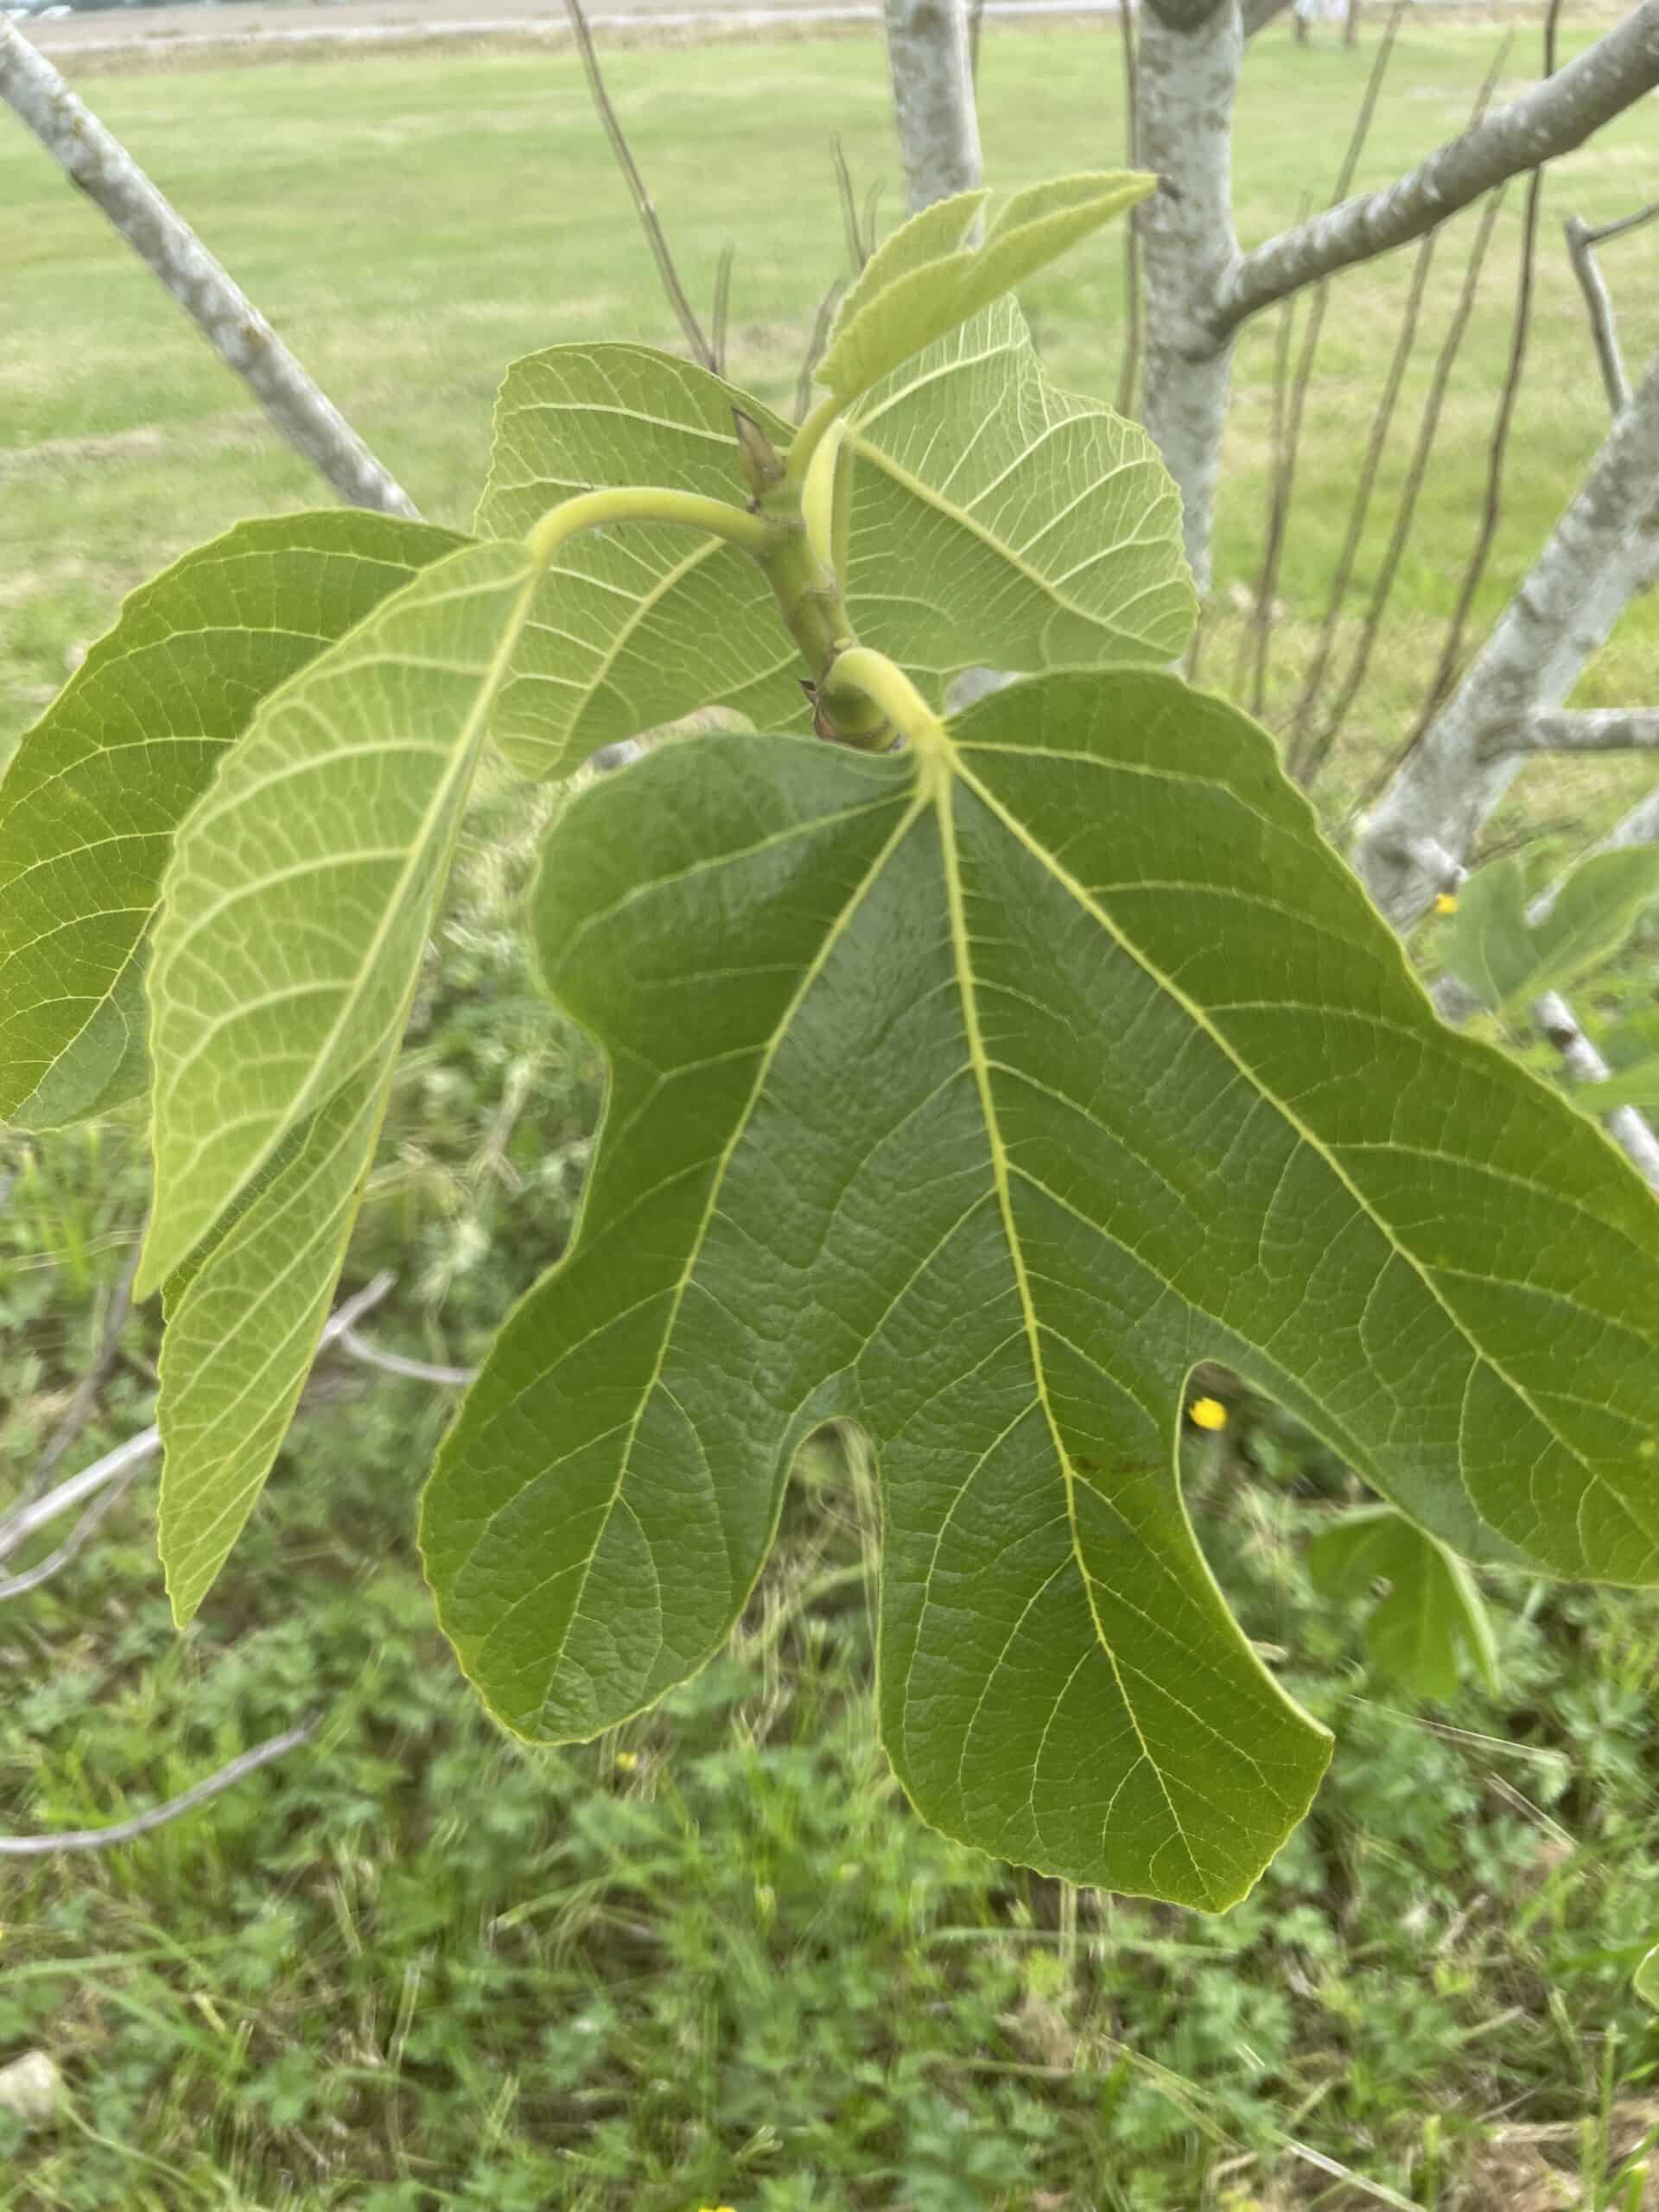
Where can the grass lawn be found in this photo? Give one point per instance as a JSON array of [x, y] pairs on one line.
[[710, 1959]]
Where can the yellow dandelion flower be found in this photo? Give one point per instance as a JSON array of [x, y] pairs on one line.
[[1446, 902], [1207, 1412], [628, 1762]]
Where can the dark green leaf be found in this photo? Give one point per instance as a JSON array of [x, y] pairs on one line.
[[975, 1094]]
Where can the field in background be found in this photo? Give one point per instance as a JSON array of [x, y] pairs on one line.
[[710, 1960]]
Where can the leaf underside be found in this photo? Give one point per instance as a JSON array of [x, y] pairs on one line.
[[975, 1094], [90, 800], [297, 910], [962, 553]]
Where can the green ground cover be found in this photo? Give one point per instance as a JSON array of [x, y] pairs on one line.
[[712, 1960]]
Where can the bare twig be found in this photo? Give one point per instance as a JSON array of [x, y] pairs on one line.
[[1581, 251], [1440, 683], [37, 1846], [20, 1525], [1551, 118], [1596, 729], [1306, 755], [1259, 626], [81, 1406], [1304, 758], [1131, 365], [1600, 235], [722, 309], [1627, 1127], [1405, 514], [19, 1586], [1288, 434], [857, 251], [656, 236], [815, 344], [392, 1363], [221, 310]]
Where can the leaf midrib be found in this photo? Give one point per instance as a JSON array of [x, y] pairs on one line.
[[979, 1061]]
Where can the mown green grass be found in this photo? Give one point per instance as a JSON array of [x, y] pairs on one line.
[[712, 1960]]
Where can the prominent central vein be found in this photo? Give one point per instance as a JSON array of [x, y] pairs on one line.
[[943, 787]]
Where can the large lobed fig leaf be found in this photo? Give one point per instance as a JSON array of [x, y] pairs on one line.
[[927, 279], [92, 796], [975, 1094]]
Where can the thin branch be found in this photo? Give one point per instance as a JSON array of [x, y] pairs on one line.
[[221, 310], [1131, 366], [656, 236], [1626, 1125], [1616, 230], [86, 1397], [38, 1847], [19, 1586], [1598, 729], [722, 309], [1259, 626], [413, 1371], [1604, 328], [1405, 514], [1304, 758], [1553, 118], [815, 345], [1289, 433], [857, 252], [1308, 751], [20, 1525], [1440, 683]]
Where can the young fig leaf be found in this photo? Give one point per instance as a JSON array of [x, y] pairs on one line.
[[925, 280], [976, 1093], [91, 798], [1429, 1617], [1505, 959]]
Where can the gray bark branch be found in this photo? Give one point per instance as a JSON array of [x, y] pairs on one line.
[[1551, 119], [227, 318], [1603, 549], [1604, 328], [1627, 1127], [1599, 729], [38, 1847], [17, 1527], [1187, 74], [930, 55]]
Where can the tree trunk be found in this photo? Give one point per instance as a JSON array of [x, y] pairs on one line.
[[931, 55], [1188, 66]]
